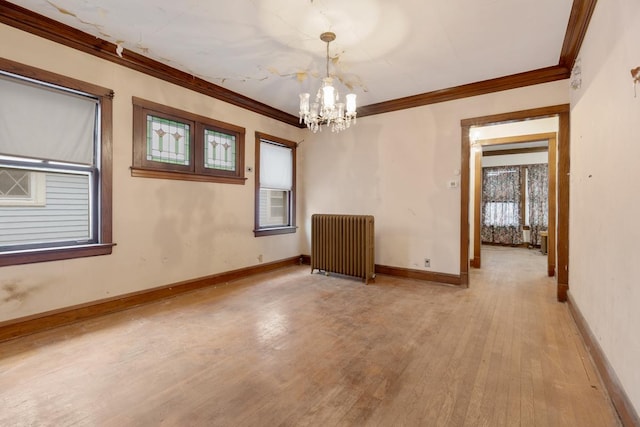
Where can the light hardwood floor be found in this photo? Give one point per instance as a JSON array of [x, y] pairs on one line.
[[290, 348]]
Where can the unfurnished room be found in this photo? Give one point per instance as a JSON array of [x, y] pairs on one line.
[[319, 212]]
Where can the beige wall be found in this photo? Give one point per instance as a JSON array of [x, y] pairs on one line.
[[605, 202], [397, 167], [166, 231]]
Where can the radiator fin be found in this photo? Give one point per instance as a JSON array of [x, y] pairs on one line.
[[343, 244]]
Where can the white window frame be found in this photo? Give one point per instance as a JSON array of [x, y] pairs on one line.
[[37, 192]]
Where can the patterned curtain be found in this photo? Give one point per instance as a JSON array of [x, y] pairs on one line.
[[537, 186], [501, 205]]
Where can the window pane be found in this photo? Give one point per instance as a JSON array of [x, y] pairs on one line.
[[501, 214], [274, 208], [14, 183], [19, 187], [220, 150], [167, 141], [64, 217], [276, 166], [45, 123]]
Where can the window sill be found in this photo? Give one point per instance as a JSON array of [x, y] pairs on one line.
[[30, 256], [273, 231], [184, 176]]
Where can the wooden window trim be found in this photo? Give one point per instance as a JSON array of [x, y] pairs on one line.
[[195, 171], [271, 231], [140, 145], [105, 245], [274, 231], [54, 254]]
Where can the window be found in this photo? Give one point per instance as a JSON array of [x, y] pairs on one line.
[[274, 208], [173, 144], [55, 166], [20, 187], [501, 198], [501, 214], [275, 185]]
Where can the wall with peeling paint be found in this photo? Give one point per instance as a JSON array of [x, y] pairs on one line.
[[397, 167], [166, 231]]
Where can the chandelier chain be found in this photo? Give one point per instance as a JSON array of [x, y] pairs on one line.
[[328, 58]]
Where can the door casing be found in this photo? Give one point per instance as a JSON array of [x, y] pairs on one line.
[[551, 139], [563, 161]]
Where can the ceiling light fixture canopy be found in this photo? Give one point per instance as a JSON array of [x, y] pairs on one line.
[[327, 108]]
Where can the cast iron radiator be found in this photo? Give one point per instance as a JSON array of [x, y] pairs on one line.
[[343, 244]]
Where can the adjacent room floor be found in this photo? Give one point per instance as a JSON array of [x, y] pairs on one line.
[[291, 348]]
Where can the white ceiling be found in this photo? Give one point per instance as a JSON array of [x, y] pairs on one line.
[[270, 51]]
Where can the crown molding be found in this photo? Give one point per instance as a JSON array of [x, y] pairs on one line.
[[31, 22], [579, 19], [513, 81], [42, 26]]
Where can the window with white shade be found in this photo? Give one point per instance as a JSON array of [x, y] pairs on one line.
[[55, 170], [275, 185]]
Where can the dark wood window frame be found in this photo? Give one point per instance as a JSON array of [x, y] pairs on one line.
[[195, 171], [104, 238], [270, 231]]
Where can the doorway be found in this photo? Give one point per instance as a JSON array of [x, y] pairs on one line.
[[512, 141], [560, 214]]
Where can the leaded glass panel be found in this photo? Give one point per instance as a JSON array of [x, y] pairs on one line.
[[167, 141], [220, 150]]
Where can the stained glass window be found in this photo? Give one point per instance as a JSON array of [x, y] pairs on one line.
[[167, 141], [220, 150], [173, 144]]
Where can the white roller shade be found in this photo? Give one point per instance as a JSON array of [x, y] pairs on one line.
[[276, 166], [46, 123]]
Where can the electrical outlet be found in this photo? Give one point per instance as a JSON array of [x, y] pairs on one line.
[[427, 263]]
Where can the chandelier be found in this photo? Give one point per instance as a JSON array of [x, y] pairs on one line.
[[327, 108]]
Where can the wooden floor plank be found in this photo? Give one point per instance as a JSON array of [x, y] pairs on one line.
[[293, 349]]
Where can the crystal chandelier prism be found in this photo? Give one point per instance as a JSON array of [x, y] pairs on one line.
[[327, 108]]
